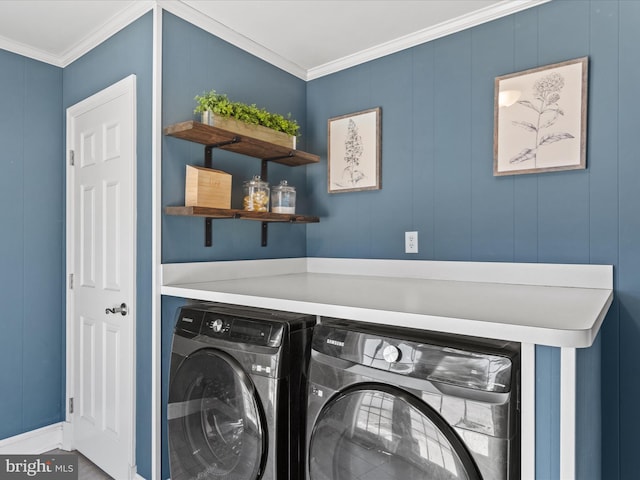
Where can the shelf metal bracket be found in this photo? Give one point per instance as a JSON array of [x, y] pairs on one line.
[[265, 231], [273, 159], [208, 163], [264, 175]]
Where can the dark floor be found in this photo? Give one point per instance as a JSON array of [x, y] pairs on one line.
[[86, 469]]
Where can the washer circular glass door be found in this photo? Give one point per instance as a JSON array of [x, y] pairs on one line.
[[216, 423], [378, 431]]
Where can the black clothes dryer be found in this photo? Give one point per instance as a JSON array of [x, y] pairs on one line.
[[236, 393], [391, 404]]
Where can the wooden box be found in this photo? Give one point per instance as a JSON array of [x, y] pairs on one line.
[[205, 187]]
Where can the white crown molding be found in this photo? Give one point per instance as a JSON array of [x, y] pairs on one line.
[[210, 25], [502, 9], [30, 52], [113, 26], [193, 16]]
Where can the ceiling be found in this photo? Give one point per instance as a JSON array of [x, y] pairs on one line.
[[308, 38]]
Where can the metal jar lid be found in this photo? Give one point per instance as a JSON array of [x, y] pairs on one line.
[[284, 187], [256, 181]]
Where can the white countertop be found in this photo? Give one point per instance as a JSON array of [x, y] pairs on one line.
[[556, 305]]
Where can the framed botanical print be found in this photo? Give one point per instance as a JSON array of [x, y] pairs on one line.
[[354, 151], [540, 119]]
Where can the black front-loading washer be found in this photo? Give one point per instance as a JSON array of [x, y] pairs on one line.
[[236, 394]]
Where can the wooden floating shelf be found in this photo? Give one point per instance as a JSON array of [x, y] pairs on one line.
[[209, 135], [241, 214]]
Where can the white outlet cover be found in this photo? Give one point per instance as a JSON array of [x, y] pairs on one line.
[[410, 242]]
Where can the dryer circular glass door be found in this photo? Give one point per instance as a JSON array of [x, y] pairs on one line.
[[216, 423], [378, 431]]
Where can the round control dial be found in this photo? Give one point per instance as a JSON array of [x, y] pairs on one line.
[[217, 325], [391, 353]]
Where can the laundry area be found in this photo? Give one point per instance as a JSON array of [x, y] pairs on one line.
[[407, 383], [426, 268]]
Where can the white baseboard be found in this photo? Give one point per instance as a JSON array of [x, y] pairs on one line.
[[37, 442], [34, 442]]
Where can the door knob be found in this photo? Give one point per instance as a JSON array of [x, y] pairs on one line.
[[122, 310]]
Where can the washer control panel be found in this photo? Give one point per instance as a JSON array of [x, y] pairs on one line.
[[229, 327]]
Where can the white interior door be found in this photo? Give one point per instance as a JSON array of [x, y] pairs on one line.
[[101, 263]]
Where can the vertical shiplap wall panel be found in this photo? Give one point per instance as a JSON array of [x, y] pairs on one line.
[[492, 218], [629, 231], [422, 206], [602, 148], [12, 254], [31, 257], [547, 413], [525, 187], [392, 79], [563, 196], [452, 112], [44, 324], [589, 403]]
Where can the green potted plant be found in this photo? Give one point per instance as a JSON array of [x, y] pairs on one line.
[[216, 109]]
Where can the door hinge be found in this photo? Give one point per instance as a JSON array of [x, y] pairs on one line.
[[72, 158], [71, 281], [71, 405]]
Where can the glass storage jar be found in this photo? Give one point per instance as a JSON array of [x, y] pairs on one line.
[[256, 195], [283, 198]]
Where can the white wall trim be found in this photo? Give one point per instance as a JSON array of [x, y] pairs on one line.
[[33, 442], [156, 248], [443, 29], [110, 28], [191, 15], [528, 411], [216, 28], [29, 52], [568, 413]]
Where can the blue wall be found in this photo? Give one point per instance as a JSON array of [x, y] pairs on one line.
[[129, 52], [437, 111], [194, 62], [31, 245]]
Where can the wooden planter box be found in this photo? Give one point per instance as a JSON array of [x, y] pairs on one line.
[[250, 130]]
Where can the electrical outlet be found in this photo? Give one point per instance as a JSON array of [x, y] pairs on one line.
[[410, 242]]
